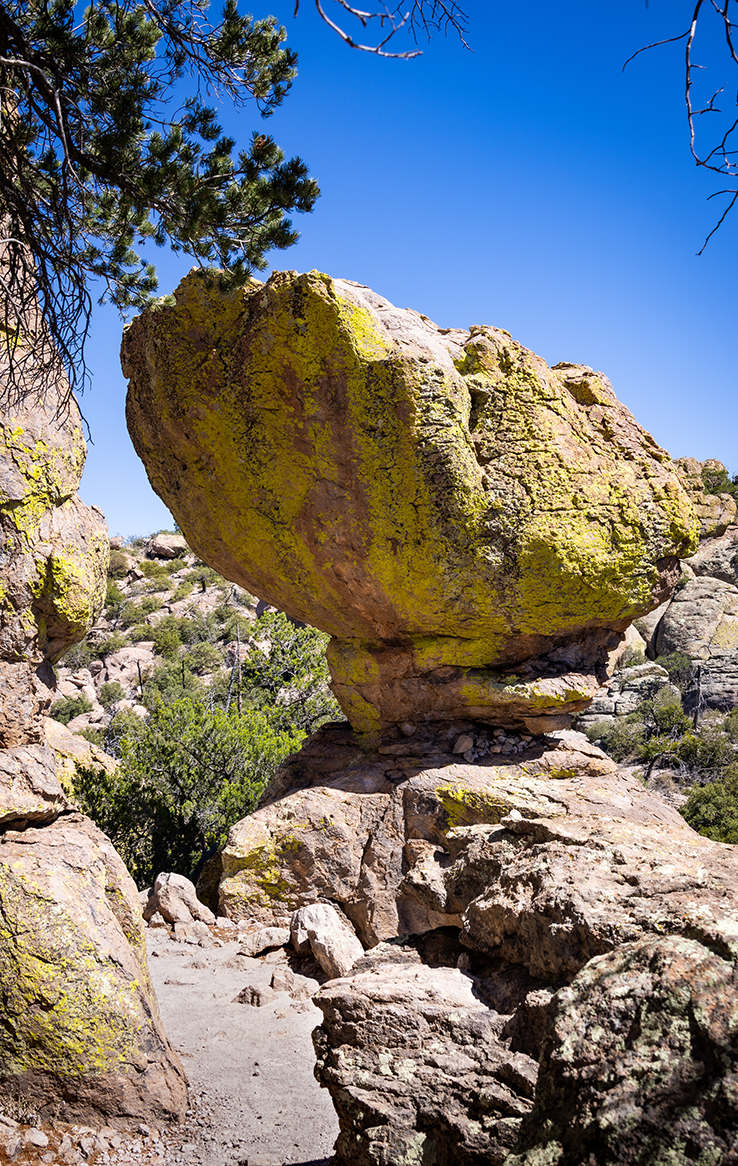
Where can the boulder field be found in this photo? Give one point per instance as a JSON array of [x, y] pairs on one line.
[[550, 966], [80, 1033]]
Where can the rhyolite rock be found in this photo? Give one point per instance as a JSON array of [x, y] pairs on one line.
[[581, 927], [79, 1026], [368, 830], [474, 529]]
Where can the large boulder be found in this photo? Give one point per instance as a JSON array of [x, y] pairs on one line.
[[702, 622], [369, 830], [474, 529], [600, 934], [81, 1027], [641, 1063]]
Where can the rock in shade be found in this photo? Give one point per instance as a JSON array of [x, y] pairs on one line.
[[474, 529], [641, 1064]]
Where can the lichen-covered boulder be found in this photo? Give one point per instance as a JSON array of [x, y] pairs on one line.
[[81, 1027], [715, 512], [474, 529], [641, 1062]]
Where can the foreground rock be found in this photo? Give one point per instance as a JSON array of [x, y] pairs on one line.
[[474, 529], [79, 1027], [80, 1023], [564, 916], [368, 830]]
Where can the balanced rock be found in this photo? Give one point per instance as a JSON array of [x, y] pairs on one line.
[[474, 529]]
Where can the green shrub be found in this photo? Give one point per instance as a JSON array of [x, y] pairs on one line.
[[182, 590], [203, 657], [186, 776], [712, 809], [113, 594], [69, 707], [140, 631], [111, 692], [166, 637], [118, 565], [718, 481], [680, 667], [632, 658], [110, 644], [172, 680], [136, 612]]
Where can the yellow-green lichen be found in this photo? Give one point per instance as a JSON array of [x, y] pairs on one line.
[[469, 807]]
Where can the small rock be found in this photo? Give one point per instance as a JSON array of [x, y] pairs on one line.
[[36, 1138], [468, 755], [463, 743], [13, 1146], [257, 995], [265, 939], [225, 924]]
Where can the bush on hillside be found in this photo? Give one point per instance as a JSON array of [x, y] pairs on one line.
[[69, 707], [186, 775], [680, 667], [712, 809], [118, 565]]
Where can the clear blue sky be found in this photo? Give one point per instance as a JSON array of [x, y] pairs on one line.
[[529, 184]]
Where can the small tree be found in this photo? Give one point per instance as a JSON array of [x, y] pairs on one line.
[[187, 774]]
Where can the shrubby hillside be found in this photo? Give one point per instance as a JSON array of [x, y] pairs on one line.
[[197, 690]]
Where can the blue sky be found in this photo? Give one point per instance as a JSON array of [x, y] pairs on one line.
[[529, 184]]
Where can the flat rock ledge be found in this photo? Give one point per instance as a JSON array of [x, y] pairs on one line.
[[551, 968]]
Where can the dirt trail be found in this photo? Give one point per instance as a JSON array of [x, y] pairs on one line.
[[255, 1100]]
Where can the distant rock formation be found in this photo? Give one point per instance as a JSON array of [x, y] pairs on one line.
[[474, 529], [80, 1032]]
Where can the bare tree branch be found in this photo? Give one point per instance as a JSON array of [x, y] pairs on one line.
[[718, 153]]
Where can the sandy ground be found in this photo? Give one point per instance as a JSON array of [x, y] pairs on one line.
[[255, 1100]]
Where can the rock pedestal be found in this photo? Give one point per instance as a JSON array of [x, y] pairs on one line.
[[474, 529]]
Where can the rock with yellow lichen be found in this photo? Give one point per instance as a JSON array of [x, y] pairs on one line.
[[81, 1028], [474, 529], [80, 1031]]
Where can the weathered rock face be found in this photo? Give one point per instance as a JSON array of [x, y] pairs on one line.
[[579, 923], [79, 1023], [474, 529], [80, 1026], [370, 831], [716, 512], [640, 1065]]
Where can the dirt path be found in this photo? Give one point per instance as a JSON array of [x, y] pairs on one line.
[[255, 1100]]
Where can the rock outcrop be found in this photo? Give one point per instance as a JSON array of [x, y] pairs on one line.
[[473, 529], [576, 925], [80, 1031]]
